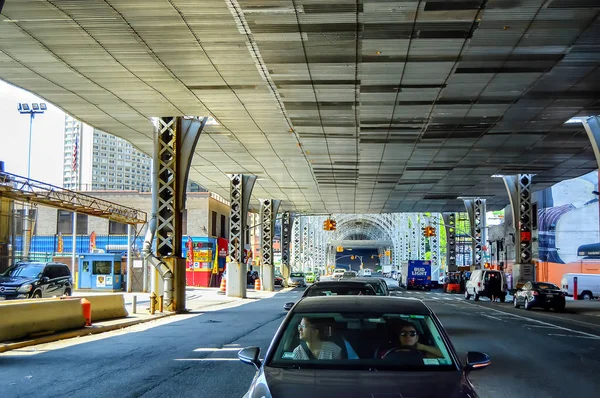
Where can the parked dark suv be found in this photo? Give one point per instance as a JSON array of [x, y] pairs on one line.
[[35, 280]]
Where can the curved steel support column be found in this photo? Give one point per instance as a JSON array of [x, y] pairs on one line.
[[476, 210], [240, 191], [519, 193], [268, 214], [450, 225], [175, 142]]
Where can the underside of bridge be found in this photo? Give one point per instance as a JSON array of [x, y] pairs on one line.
[[337, 106]]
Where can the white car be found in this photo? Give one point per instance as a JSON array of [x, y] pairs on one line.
[[338, 273], [297, 279]]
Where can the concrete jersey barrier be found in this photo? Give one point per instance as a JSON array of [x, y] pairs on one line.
[[19, 319]]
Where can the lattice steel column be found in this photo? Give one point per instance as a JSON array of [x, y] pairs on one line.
[[240, 191], [434, 246], [175, 142], [268, 214], [305, 247], [286, 235], [519, 193], [423, 222], [414, 236], [450, 225], [476, 210], [296, 245]]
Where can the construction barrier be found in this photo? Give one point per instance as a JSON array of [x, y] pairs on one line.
[[257, 285], [25, 318], [106, 306]]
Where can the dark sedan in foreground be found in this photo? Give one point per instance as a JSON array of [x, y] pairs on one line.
[[540, 294], [361, 346]]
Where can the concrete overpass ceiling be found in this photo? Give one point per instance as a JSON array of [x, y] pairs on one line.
[[336, 106]]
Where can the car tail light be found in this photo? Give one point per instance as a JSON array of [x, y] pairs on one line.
[[478, 284], [535, 293]]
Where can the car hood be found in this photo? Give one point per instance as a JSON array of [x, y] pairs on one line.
[[15, 281], [303, 383]]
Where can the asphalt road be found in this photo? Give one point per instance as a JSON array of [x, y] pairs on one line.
[[533, 353]]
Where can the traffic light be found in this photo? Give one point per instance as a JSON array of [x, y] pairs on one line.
[[429, 231], [329, 225], [351, 257], [340, 249]]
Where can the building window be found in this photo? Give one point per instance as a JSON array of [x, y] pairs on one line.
[[117, 228], [65, 223], [223, 226], [213, 224]]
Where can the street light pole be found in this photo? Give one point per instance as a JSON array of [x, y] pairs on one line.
[[26, 109]]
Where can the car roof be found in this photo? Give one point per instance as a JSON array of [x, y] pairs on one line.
[[347, 282], [361, 303]]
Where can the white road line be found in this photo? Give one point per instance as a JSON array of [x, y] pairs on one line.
[[570, 335], [492, 317], [541, 322], [539, 326]]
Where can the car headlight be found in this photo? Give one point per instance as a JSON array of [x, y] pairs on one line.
[[25, 288]]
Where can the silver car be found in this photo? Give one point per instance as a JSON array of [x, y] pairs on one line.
[[297, 279]]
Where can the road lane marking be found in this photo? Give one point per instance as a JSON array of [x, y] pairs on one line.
[[540, 322], [571, 335], [539, 326], [492, 317]]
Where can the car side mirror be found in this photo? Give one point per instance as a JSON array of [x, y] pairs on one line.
[[45, 279], [477, 360], [288, 306], [249, 355]]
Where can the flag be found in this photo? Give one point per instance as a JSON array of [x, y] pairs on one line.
[[92, 241], [75, 154], [215, 269], [60, 245], [189, 258]]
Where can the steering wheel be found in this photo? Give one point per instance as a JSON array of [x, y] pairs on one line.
[[404, 356]]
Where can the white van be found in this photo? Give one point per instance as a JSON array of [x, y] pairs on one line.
[[364, 272], [588, 285], [338, 273], [478, 284]]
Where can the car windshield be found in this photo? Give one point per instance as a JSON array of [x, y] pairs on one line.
[[545, 286], [340, 291], [25, 271], [373, 341], [297, 275], [349, 274]]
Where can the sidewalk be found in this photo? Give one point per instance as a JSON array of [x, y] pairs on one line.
[[196, 299]]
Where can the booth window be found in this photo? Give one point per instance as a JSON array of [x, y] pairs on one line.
[[117, 267], [117, 228], [64, 223], [102, 268], [223, 226]]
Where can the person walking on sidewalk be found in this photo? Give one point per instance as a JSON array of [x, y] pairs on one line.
[[495, 285]]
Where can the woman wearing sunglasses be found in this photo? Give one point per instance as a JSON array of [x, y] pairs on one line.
[[408, 342]]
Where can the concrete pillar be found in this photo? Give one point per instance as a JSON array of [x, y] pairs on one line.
[[450, 225], [519, 193], [476, 210], [240, 192], [268, 214]]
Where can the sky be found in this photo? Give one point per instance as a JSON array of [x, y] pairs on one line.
[[47, 137]]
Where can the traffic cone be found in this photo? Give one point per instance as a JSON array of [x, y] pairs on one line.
[[257, 284], [223, 287]]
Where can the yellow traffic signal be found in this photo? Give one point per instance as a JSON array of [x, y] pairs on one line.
[[429, 232], [388, 253], [340, 249], [351, 257], [329, 225]]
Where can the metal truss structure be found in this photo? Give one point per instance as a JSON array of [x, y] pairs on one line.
[[22, 189], [476, 210], [450, 225], [423, 222], [434, 245], [519, 193], [286, 235]]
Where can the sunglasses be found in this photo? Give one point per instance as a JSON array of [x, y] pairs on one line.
[[412, 333]]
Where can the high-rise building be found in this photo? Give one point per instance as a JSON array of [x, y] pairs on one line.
[[95, 160]]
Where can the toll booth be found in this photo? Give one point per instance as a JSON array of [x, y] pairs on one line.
[[100, 271]]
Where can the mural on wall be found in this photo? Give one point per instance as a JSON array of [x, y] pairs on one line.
[[567, 219]]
